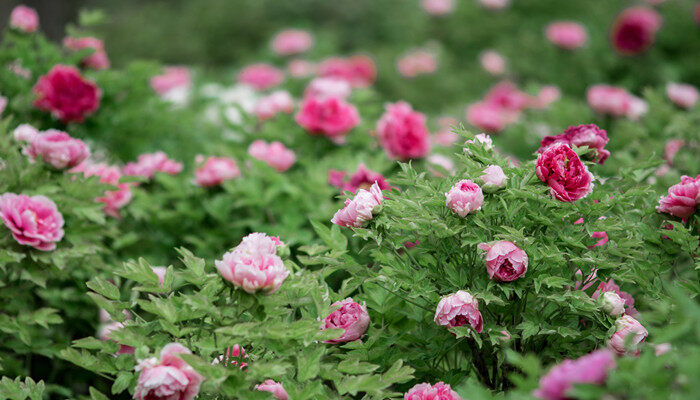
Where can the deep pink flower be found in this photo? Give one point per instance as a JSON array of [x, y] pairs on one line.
[[98, 59], [24, 18], [34, 221], [58, 149], [150, 163], [672, 148], [683, 95], [273, 387], [350, 316], [634, 30], [492, 62], [603, 236], [402, 132], [254, 265], [426, 391], [170, 379], [172, 78], [567, 35], [104, 335], [275, 154], [300, 68], [66, 94], [459, 309], [493, 178], [268, 106], [364, 178], [563, 171], [336, 178], [331, 117], [260, 76], [358, 70], [465, 197], [215, 170], [360, 209], [488, 117], [328, 87], [112, 199], [682, 198], [611, 100], [505, 261], [611, 286], [292, 41], [592, 368], [438, 7], [417, 62], [232, 356], [626, 326], [582, 135], [508, 97]]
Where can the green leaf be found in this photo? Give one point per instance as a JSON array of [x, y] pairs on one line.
[[106, 289]]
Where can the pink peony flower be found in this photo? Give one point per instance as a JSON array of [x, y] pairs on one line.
[[328, 87], [232, 356], [620, 343], [104, 335], [150, 163], [350, 316], [682, 198], [3, 103], [609, 100], [358, 70], [58, 149], [567, 35], [438, 7], [417, 62], [505, 261], [459, 309], [425, 391], [254, 265], [364, 178], [172, 78], [493, 178], [672, 148], [66, 94], [273, 387], [612, 303], [547, 95], [260, 76], [683, 95], [638, 107], [494, 4], [112, 199], [275, 154], [292, 41], [215, 170], [562, 170], [34, 221], [492, 62], [170, 379], [610, 286], [446, 136], [24, 19], [331, 117], [465, 197], [487, 117], [506, 96], [402, 132], [603, 236], [268, 106], [634, 30], [98, 59], [301, 68], [582, 135], [360, 209], [592, 368]]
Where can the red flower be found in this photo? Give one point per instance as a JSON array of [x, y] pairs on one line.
[[67, 94], [634, 30]]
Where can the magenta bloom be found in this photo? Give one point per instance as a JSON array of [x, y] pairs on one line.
[[254, 265], [465, 197], [425, 391], [277, 102], [567, 35], [170, 379], [682, 198], [360, 209], [331, 117], [611, 100], [66, 94], [402, 132], [104, 335], [260, 76], [58, 149], [112, 199], [24, 18], [417, 62], [611, 286], [357, 70], [459, 309], [292, 41], [563, 171], [273, 387], [172, 78], [620, 343], [364, 178], [150, 163], [98, 59], [34, 221], [275, 154], [231, 357], [592, 368], [215, 171], [350, 316], [682, 95], [492, 62], [438, 7], [505, 261], [582, 135], [328, 87], [634, 30]]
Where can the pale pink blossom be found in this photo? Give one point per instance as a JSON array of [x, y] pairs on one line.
[[446, 135], [34, 221], [171, 378], [148, 164], [98, 59], [465, 197], [301, 68], [350, 316], [682, 198], [545, 97], [611, 286], [3, 103], [160, 273], [25, 133], [492, 62], [487, 117], [443, 162], [638, 107], [275, 154], [494, 4], [611, 100], [292, 41], [403, 133], [672, 148], [112, 199], [16, 68], [612, 303], [328, 87], [215, 170], [505, 261], [417, 62], [254, 265], [358, 70], [426, 391], [332, 117], [459, 309], [481, 139], [104, 335], [260, 76], [662, 348], [592, 368], [567, 35], [273, 387], [172, 78], [233, 354], [24, 18], [438, 7], [277, 102], [683, 95], [493, 178], [628, 337], [360, 209], [58, 149]]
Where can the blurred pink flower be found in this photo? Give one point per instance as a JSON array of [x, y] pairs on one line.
[[494, 4], [112, 199], [417, 62], [672, 147], [215, 170], [567, 35], [328, 87], [331, 117], [492, 62], [547, 95], [104, 335], [66, 94], [592, 368], [276, 102], [58, 149], [605, 99], [275, 154], [171, 78], [301, 68], [438, 7], [683, 95], [260, 76], [98, 59], [493, 178], [292, 41], [364, 178], [273, 387], [24, 18], [358, 70], [445, 135], [403, 133], [634, 30], [148, 164]]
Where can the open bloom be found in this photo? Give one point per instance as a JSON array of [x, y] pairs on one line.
[[611, 100], [149, 163], [493, 178], [98, 59], [66, 94], [360, 209], [170, 379], [438, 7], [426, 391], [58, 149], [34, 221], [589, 135], [487, 117], [634, 30], [362, 178], [24, 19], [328, 87], [260, 76], [403, 133], [292, 41], [464, 197], [612, 303], [492, 62], [112, 199], [276, 102], [331, 117], [418, 62], [215, 170], [357, 70], [350, 316], [567, 35], [682, 198], [275, 154], [505, 261], [683, 95], [254, 265], [273, 387], [592, 368], [459, 309], [563, 171], [620, 343]]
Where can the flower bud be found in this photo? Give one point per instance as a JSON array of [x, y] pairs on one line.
[[612, 303], [493, 178], [465, 197]]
